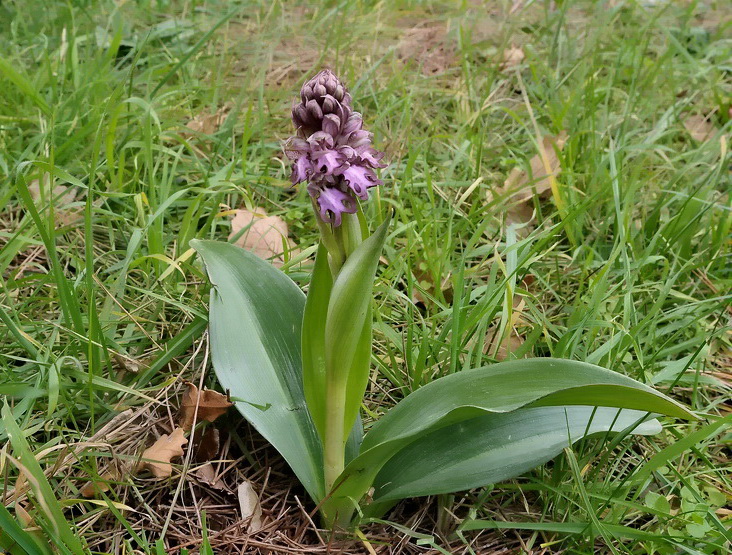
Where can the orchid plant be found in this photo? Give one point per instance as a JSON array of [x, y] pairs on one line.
[[298, 367]]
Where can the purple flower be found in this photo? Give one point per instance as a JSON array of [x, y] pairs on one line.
[[360, 179], [301, 169], [332, 203], [332, 151]]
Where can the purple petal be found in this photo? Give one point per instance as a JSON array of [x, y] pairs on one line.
[[348, 153], [330, 104], [301, 169], [327, 161], [360, 179], [334, 202], [306, 92], [372, 157], [360, 140], [321, 140], [296, 147]]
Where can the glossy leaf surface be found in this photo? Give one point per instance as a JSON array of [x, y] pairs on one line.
[[499, 388], [255, 323], [511, 385], [495, 447], [313, 338]]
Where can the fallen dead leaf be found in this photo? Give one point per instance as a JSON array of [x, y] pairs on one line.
[[25, 519], [544, 165], [95, 487], [207, 474], [263, 235], [207, 447], [206, 123], [521, 185], [427, 284], [699, 127], [250, 507], [211, 404], [512, 57], [62, 196], [157, 457], [500, 349], [126, 363]]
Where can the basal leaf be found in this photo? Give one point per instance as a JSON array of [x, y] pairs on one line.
[[495, 447], [255, 326], [510, 385], [499, 388]]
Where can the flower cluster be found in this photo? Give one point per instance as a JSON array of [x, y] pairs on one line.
[[332, 151]]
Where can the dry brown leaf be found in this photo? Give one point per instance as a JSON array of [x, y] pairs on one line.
[[62, 196], [542, 168], [127, 364], [211, 404], [95, 487], [250, 507], [25, 519], [426, 283], [157, 457], [28, 523], [519, 187], [263, 235], [699, 127], [512, 57], [206, 123], [512, 341], [207, 447], [207, 475]]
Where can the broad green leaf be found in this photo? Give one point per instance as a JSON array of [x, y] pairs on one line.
[[507, 386], [495, 447], [353, 444], [313, 338], [499, 388], [255, 325], [358, 376], [348, 324]]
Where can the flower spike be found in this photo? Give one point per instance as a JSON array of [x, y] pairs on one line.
[[332, 151]]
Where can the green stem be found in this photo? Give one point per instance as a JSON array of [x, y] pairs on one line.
[[340, 241]]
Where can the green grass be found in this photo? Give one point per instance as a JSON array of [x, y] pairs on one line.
[[629, 266]]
